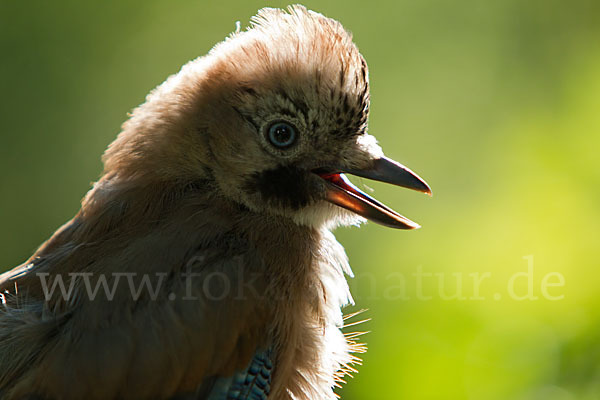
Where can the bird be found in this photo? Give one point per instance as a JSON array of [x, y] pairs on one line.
[[202, 263]]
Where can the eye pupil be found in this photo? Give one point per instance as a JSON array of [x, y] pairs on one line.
[[282, 134]]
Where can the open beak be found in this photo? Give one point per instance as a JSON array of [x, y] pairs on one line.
[[341, 192]]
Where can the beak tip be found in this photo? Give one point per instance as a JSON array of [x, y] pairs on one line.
[[425, 188], [405, 224], [414, 226]]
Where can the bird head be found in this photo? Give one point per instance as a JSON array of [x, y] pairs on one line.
[[274, 116]]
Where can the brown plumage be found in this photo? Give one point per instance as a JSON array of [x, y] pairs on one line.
[[198, 181]]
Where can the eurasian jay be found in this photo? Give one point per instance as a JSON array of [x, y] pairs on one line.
[[202, 264]]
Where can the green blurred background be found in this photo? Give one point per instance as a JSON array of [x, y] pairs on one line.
[[495, 103]]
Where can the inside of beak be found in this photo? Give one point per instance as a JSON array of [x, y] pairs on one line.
[[341, 192]]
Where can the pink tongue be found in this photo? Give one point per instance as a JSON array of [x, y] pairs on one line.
[[341, 181], [337, 180], [332, 177]]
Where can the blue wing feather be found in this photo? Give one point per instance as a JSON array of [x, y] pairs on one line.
[[251, 383]]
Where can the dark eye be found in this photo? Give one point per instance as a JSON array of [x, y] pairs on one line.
[[282, 134]]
